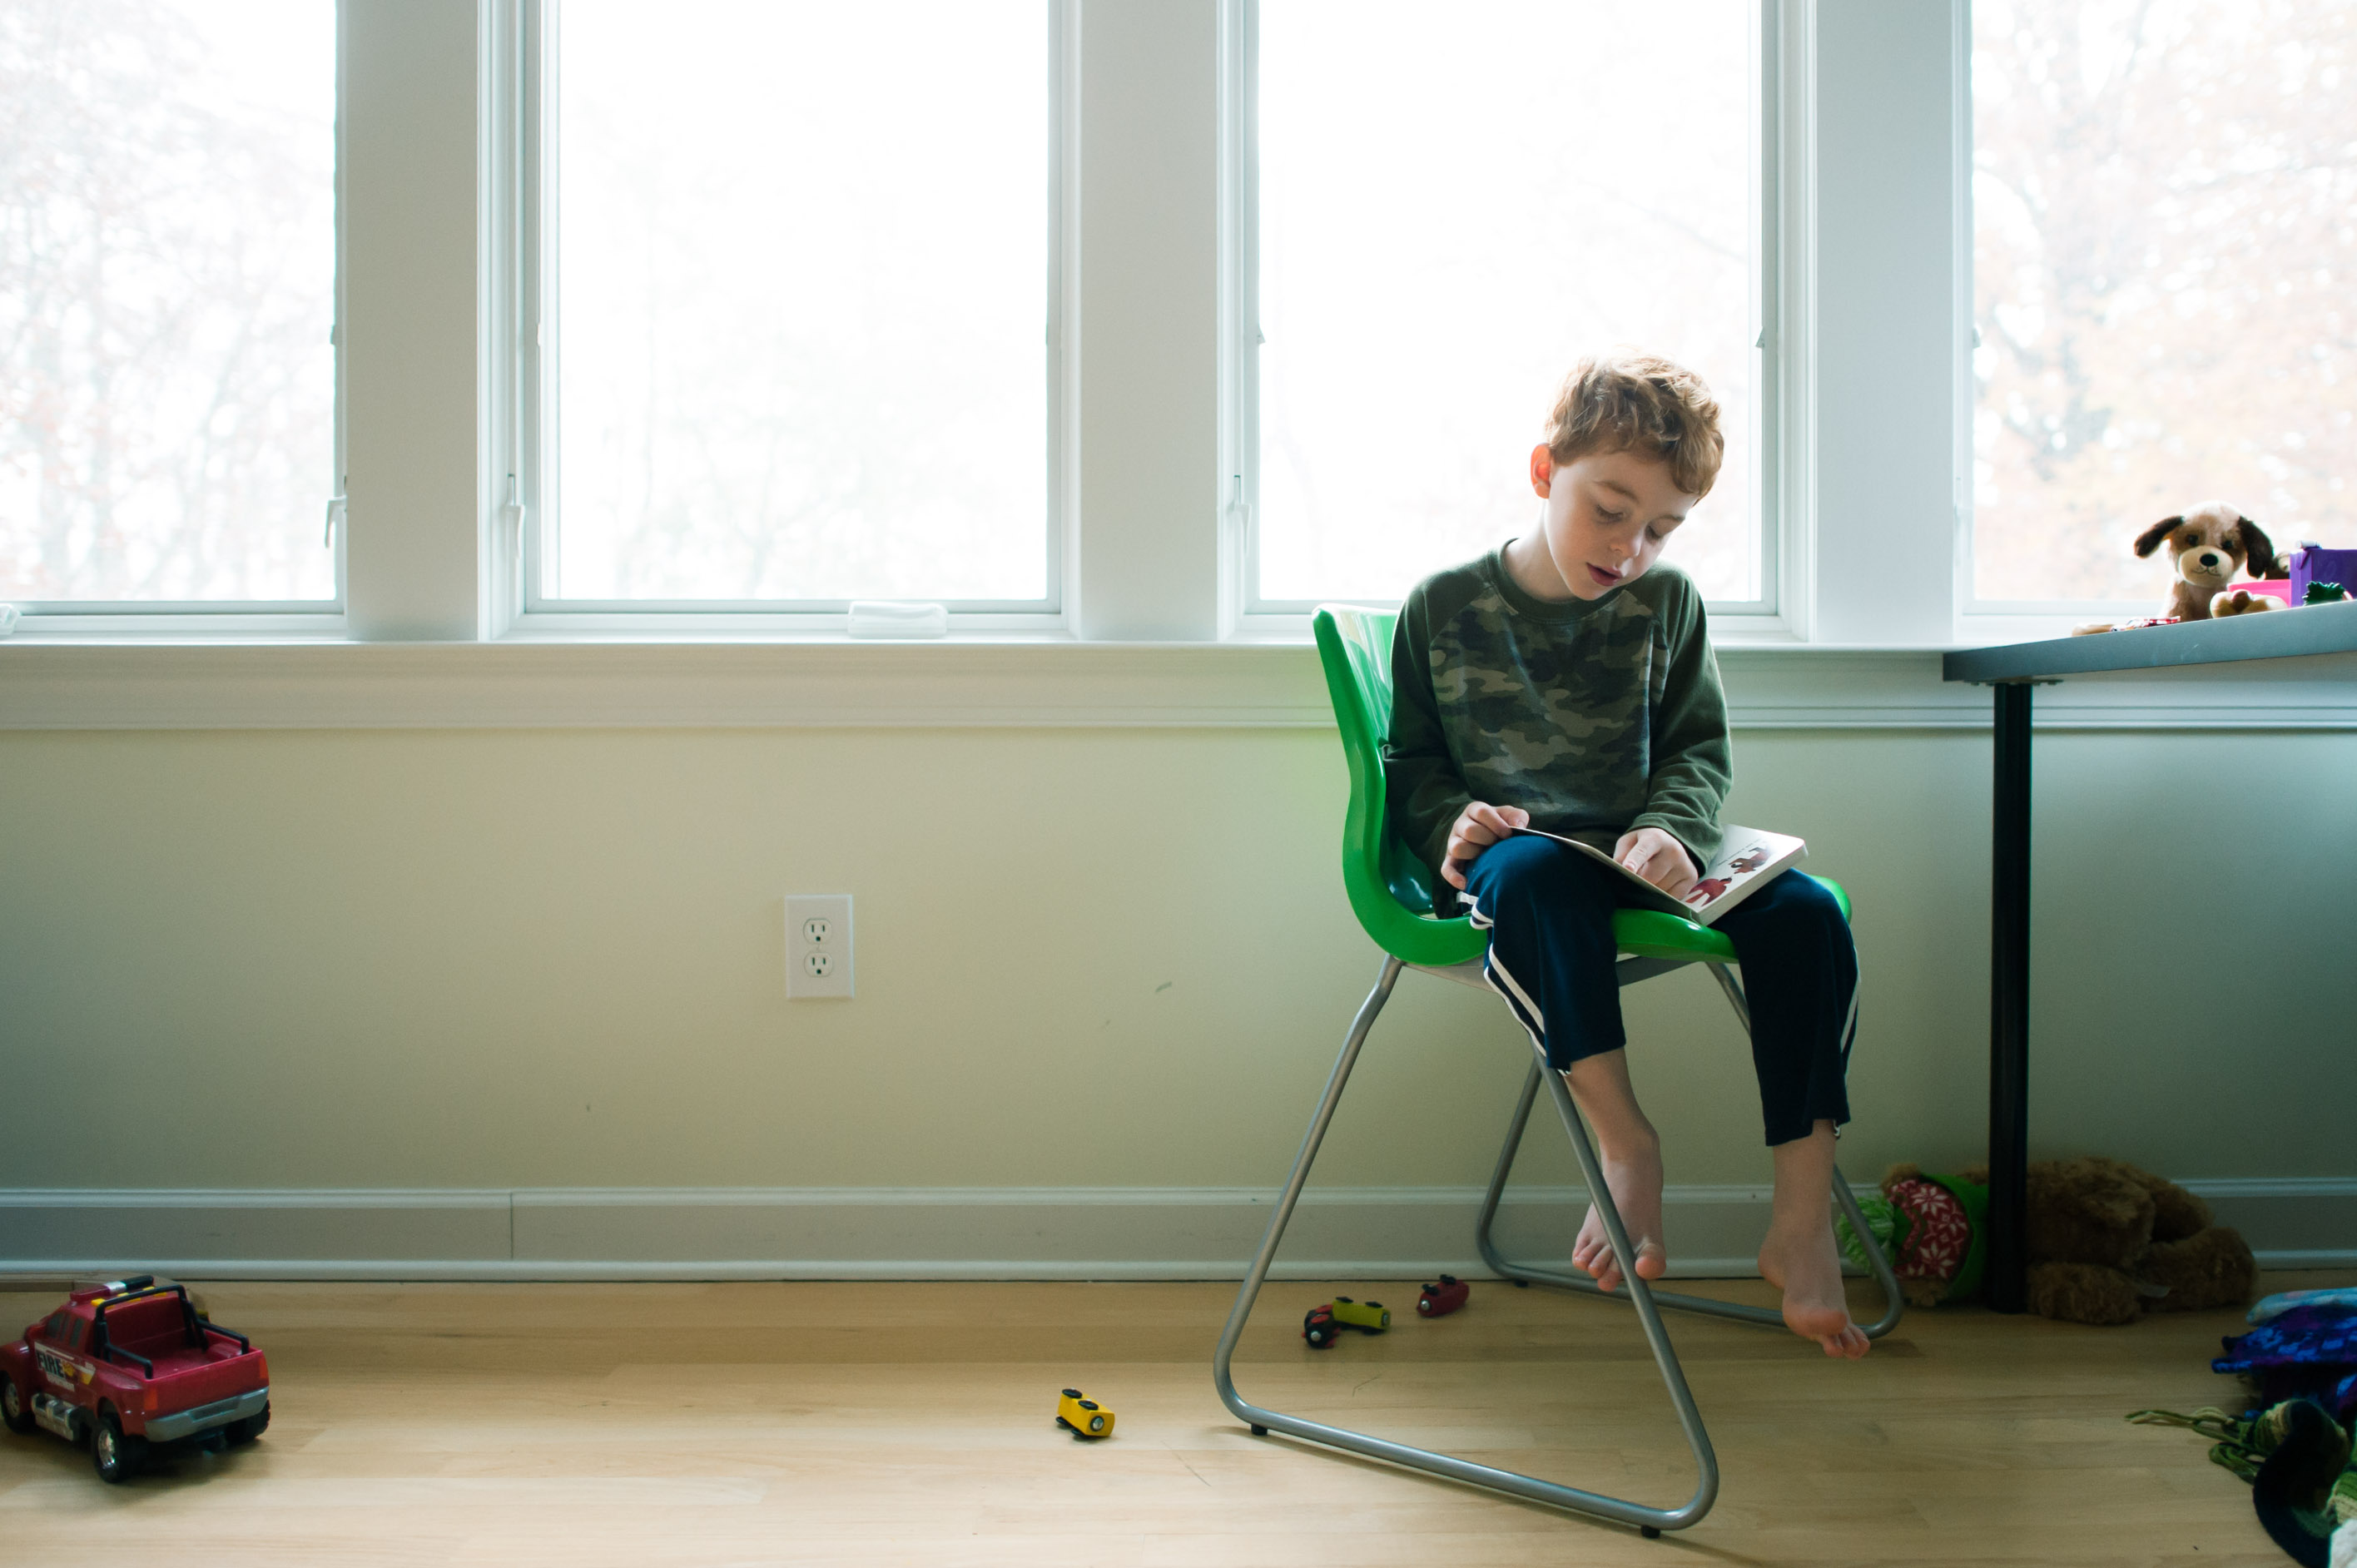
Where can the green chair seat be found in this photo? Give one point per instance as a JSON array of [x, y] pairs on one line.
[[1390, 889]]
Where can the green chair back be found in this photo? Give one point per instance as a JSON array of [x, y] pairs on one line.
[[1390, 889]]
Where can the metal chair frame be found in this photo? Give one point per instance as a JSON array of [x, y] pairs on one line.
[[1637, 1292], [1388, 893]]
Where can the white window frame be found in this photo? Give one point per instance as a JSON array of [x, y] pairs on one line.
[[528, 516], [1864, 191], [1871, 292], [1978, 620], [172, 620], [1776, 346]]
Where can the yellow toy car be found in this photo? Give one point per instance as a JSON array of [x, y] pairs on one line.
[[1324, 1324], [1083, 1418]]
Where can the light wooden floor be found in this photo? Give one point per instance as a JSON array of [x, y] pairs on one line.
[[761, 1423]]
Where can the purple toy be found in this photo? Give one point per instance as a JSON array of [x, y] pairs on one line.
[[2315, 563]]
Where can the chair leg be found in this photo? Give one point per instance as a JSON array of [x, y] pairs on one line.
[[1652, 1521], [1894, 1303]]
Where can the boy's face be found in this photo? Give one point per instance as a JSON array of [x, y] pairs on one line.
[[1607, 517]]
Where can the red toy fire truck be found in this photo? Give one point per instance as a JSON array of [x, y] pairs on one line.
[[131, 1364]]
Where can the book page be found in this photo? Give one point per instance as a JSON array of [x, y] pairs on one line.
[[1748, 857]]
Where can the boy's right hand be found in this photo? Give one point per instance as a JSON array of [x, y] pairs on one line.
[[1478, 826]]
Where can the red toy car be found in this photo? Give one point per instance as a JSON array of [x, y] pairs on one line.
[[1317, 1327], [127, 1365], [1440, 1300]]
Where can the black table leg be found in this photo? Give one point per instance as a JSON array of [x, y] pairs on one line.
[[2008, 1151]]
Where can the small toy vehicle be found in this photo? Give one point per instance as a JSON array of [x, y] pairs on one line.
[[1083, 1418], [129, 1365], [1321, 1326], [1440, 1300]]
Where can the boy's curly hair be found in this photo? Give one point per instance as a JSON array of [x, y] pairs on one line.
[[1626, 402]]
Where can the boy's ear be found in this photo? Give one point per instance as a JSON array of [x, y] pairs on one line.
[[2258, 551], [1542, 469], [2150, 539]]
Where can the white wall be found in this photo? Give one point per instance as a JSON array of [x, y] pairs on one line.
[[1088, 958]]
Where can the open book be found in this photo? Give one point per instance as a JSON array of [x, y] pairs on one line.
[[1746, 858]]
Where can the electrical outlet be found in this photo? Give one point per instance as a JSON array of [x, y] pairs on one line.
[[818, 945]]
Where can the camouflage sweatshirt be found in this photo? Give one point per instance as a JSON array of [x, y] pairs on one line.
[[1595, 715]]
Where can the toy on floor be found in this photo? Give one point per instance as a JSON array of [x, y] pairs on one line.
[[1440, 1300], [132, 1365], [2207, 544], [2305, 1493], [1321, 1326], [2267, 1308], [2297, 1458], [2108, 1242], [1083, 1418], [2301, 1354], [2302, 1344], [1317, 1327], [1932, 1228]]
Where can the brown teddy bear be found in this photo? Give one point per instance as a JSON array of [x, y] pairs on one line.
[[2207, 545], [2108, 1242]]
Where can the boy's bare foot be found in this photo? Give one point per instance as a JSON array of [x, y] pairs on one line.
[[1634, 1177], [1801, 1262]]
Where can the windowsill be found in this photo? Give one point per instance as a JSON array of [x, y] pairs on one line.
[[989, 681]]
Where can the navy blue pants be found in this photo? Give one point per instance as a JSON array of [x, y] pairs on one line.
[[1548, 909]]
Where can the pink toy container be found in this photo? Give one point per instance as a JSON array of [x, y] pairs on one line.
[[2273, 587]]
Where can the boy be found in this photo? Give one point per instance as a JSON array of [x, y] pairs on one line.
[[1562, 682]]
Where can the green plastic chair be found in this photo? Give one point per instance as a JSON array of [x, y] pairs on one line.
[[1391, 892]]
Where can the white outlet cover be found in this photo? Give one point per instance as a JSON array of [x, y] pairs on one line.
[[818, 945]]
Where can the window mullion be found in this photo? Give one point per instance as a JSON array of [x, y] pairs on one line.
[[1878, 387], [416, 476]]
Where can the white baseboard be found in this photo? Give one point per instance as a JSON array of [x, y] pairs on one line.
[[1099, 1233]]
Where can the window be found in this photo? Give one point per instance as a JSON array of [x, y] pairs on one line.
[[798, 256], [2162, 254], [1453, 207], [167, 263]]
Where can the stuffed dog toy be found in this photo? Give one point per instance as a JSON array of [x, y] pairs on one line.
[[2207, 545]]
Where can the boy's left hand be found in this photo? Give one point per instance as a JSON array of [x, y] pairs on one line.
[[1659, 859]]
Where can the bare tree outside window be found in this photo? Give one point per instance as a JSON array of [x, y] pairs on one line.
[[2164, 244], [1456, 203], [801, 276], [167, 293]]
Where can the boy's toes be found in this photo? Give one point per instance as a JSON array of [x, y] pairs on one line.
[[1652, 1261], [1847, 1343], [1828, 1325]]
